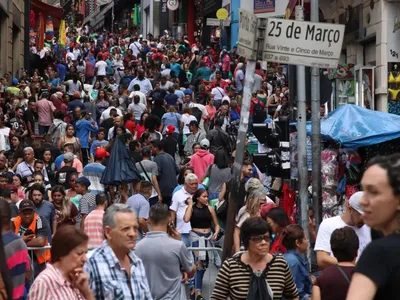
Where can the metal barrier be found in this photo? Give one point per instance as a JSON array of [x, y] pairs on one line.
[[210, 283], [32, 255]]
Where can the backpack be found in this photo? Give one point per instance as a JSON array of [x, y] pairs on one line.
[[55, 133], [259, 114], [197, 113]]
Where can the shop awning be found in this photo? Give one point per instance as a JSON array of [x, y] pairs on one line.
[[353, 126], [56, 13], [97, 16]]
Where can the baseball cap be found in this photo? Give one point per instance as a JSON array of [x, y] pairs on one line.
[[354, 202], [205, 143], [83, 180], [101, 153], [170, 129], [14, 81], [25, 205], [68, 157], [193, 122]]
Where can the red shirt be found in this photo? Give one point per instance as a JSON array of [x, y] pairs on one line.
[[130, 125], [222, 83], [139, 131]]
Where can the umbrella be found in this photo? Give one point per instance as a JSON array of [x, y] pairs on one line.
[[121, 168]]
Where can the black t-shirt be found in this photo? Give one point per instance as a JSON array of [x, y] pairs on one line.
[[29, 118], [380, 262], [158, 94], [63, 175], [170, 146], [107, 124]]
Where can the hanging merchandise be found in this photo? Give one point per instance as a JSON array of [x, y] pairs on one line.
[[32, 19], [40, 39], [62, 39], [49, 30], [329, 167]]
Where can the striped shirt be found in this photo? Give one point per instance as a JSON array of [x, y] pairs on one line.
[[51, 285], [94, 172], [93, 227], [233, 280], [17, 261], [108, 280]]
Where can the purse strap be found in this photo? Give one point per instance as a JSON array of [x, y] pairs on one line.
[[145, 173], [343, 273]]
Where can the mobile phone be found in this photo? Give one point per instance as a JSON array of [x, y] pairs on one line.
[[29, 232]]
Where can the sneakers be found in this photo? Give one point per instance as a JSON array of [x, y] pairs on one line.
[[200, 297]]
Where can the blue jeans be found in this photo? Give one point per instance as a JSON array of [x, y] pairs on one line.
[[185, 239], [200, 270]]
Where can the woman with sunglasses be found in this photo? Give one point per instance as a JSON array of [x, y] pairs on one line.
[[255, 274]]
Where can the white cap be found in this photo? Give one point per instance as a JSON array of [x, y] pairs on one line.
[[205, 143], [354, 202]]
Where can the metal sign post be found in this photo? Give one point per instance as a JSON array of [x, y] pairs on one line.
[[247, 48], [316, 131], [302, 138]]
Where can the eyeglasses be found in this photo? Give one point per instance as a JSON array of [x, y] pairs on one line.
[[260, 238]]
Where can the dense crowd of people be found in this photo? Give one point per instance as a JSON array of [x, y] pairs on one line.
[[122, 143]]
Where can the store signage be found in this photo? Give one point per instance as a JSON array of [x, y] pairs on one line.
[[172, 4], [222, 14], [303, 43], [393, 32], [247, 35], [216, 22], [264, 6]]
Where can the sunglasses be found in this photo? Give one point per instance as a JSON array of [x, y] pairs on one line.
[[260, 238]]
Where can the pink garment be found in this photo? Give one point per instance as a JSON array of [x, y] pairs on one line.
[[44, 109], [200, 162], [75, 164], [211, 110], [226, 63]]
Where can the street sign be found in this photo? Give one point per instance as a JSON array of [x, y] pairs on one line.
[[222, 14], [303, 43], [216, 22], [247, 35]]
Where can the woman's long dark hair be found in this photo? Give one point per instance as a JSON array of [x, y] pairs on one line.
[[142, 117], [181, 177], [197, 194]]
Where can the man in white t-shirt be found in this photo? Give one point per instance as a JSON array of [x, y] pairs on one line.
[[135, 47], [100, 67], [178, 206], [351, 218]]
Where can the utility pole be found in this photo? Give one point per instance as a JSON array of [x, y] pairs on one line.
[[237, 166], [316, 130], [302, 137]]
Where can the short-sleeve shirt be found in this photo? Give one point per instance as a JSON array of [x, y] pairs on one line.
[[239, 77], [333, 284], [329, 225], [93, 227], [86, 205], [101, 68], [141, 206], [150, 169], [179, 206], [380, 262], [47, 211], [162, 258], [171, 119]]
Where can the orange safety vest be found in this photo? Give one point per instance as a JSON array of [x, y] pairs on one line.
[[43, 255]]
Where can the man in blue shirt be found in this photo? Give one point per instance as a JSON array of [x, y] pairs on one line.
[[83, 129], [203, 72], [62, 71], [171, 98], [141, 205], [177, 68]]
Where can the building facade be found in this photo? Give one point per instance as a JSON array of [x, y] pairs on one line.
[[12, 29]]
